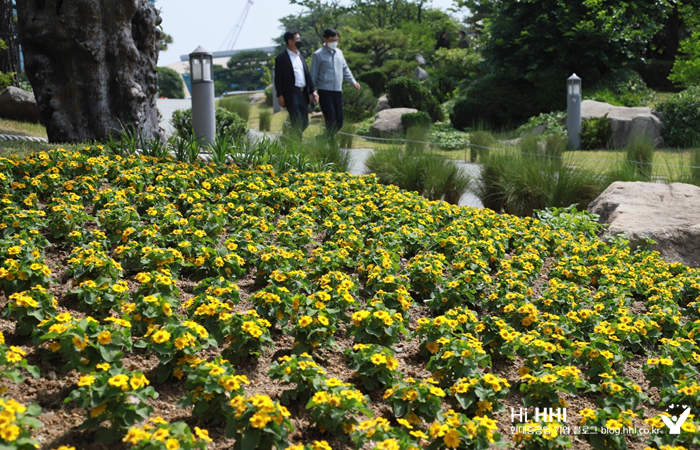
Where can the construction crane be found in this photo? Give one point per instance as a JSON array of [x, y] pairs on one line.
[[232, 37]]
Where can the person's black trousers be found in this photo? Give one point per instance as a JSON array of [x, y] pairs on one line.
[[299, 111], [332, 106]]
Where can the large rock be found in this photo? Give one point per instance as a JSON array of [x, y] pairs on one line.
[[420, 59], [667, 213], [18, 104], [387, 123], [383, 103], [420, 74], [627, 123]]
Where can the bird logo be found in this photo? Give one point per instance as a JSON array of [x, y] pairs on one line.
[[674, 423]]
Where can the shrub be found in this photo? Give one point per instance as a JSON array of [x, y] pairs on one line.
[[686, 70], [445, 137], [406, 93], [520, 185], [265, 120], [640, 154], [681, 118], [596, 133], [376, 80], [226, 123], [554, 124], [268, 96], [417, 119], [433, 176], [623, 88], [238, 105], [499, 102], [170, 83], [358, 105]]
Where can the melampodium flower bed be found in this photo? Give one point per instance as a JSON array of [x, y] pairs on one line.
[[152, 304]]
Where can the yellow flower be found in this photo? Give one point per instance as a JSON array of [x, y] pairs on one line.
[[87, 380], [259, 420], [451, 438], [172, 444], [138, 381], [160, 337], [103, 366], [202, 434], [96, 411], [120, 380], [104, 338]]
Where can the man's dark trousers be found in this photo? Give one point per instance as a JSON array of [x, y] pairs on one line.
[[332, 106], [299, 111]]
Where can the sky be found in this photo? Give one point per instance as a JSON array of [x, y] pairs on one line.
[[209, 22]]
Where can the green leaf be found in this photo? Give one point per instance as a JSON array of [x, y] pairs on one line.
[[251, 439]]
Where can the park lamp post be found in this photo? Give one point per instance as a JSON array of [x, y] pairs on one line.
[[202, 79], [573, 118]]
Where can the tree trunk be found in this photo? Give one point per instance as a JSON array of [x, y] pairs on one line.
[[9, 59], [92, 64]]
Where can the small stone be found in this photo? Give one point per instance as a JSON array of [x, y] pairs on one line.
[[51, 375]]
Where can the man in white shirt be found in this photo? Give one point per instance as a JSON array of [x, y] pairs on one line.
[[295, 89]]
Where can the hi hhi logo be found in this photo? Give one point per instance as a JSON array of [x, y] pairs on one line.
[[674, 423], [546, 415]]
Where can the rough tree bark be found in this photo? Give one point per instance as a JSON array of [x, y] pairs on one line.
[[9, 59], [92, 64]]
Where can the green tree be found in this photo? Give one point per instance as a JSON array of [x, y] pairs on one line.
[[686, 70], [170, 83], [164, 41], [589, 37]]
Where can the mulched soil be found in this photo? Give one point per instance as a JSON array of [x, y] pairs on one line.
[[61, 421]]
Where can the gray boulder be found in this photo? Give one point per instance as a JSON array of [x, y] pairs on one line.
[[420, 59], [18, 104], [420, 74], [387, 123], [627, 123], [667, 213], [383, 103], [258, 97]]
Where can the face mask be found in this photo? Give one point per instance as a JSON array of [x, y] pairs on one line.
[[333, 45], [298, 44]]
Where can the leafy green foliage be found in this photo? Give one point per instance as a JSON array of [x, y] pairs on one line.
[[358, 105], [445, 137], [500, 101], [681, 118], [226, 123], [686, 69], [596, 133], [236, 104], [406, 93], [417, 119], [5, 78], [170, 83], [554, 124], [589, 38], [376, 80], [623, 88]]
